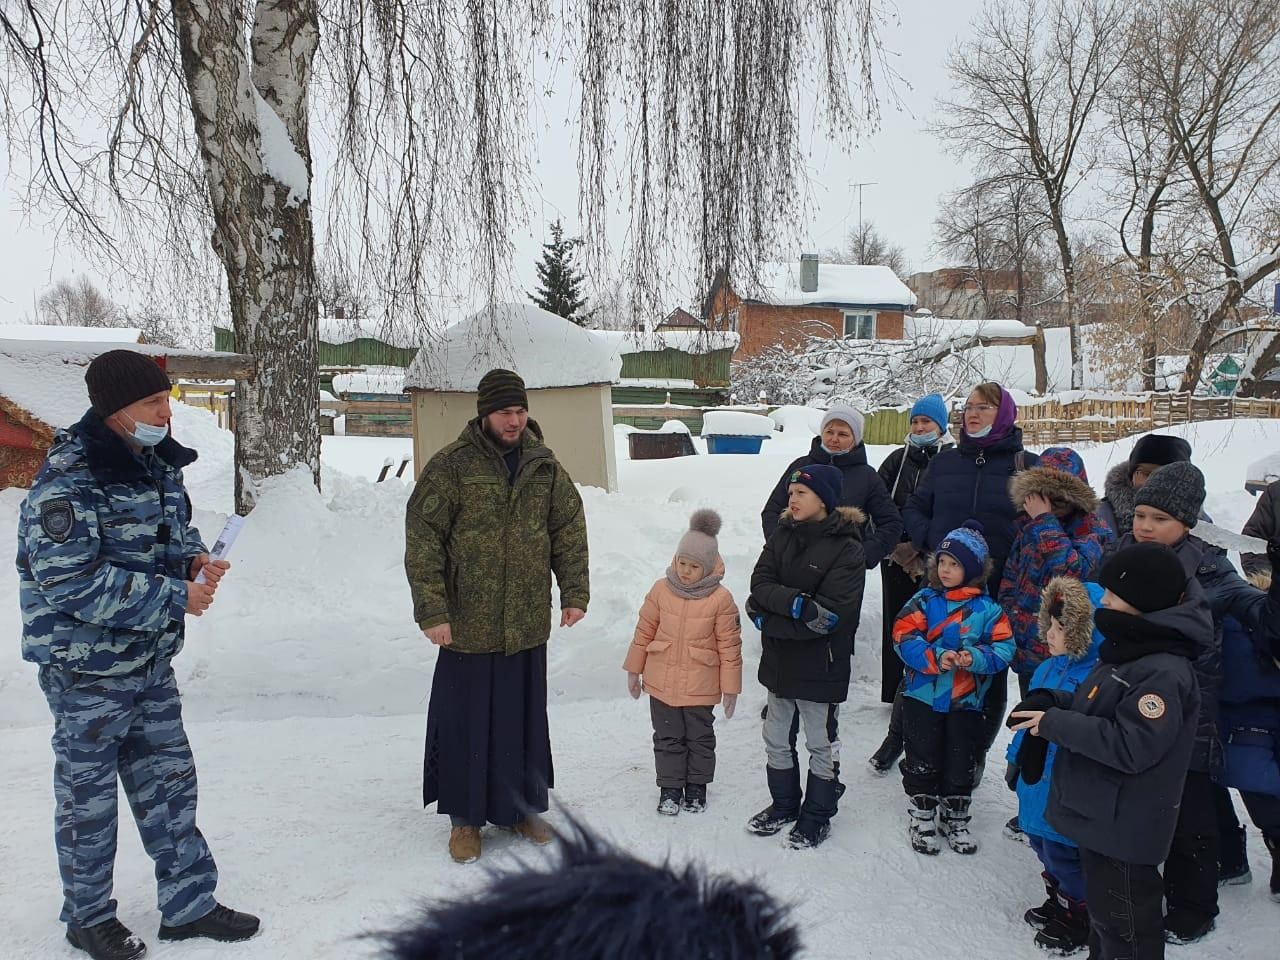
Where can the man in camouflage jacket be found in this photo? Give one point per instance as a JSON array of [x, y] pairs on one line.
[[107, 559], [492, 517]]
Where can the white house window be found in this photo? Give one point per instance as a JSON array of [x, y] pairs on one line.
[[860, 326]]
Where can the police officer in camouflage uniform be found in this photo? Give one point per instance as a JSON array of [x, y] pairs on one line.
[[492, 517], [107, 557]]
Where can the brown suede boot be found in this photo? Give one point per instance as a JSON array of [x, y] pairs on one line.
[[464, 844], [535, 829]]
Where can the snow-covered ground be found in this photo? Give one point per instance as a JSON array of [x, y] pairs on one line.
[[306, 686]]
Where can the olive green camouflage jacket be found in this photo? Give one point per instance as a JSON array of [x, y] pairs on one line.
[[479, 551]]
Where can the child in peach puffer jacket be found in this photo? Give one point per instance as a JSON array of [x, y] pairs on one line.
[[688, 647]]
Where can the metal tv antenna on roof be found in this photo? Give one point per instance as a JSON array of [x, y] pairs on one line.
[[862, 241]]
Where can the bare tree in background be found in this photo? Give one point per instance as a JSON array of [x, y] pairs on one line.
[[1028, 81], [1215, 75], [78, 303], [207, 109], [867, 245], [996, 230]]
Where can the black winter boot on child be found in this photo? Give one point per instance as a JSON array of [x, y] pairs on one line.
[[1233, 860], [669, 799], [882, 760], [954, 824], [1068, 932], [784, 787], [814, 826], [1041, 916], [695, 798], [923, 831]]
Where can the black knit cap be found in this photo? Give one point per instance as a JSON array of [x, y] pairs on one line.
[[1148, 576], [498, 390], [118, 378], [1160, 449]]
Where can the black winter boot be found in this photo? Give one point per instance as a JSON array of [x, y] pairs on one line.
[[1273, 844], [1233, 859], [221, 923], [883, 759], [108, 940], [784, 788], [1183, 928], [924, 825], [1069, 931], [695, 797], [954, 824], [669, 799], [1041, 916], [820, 801]]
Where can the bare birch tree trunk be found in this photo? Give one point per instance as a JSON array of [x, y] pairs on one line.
[[250, 109]]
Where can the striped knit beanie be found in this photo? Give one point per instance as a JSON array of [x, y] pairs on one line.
[[498, 390]]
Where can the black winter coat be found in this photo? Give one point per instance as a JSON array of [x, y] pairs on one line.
[[862, 489], [965, 482], [1125, 738], [902, 471], [1264, 524], [824, 562]]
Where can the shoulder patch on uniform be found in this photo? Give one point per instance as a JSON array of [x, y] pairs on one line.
[[56, 518], [1151, 706]]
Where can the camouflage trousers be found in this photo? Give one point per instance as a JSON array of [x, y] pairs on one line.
[[130, 727]]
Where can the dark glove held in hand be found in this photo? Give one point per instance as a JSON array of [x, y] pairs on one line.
[[1031, 758], [818, 618], [1011, 772], [1035, 700]]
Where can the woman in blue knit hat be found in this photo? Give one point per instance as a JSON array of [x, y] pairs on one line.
[[902, 571]]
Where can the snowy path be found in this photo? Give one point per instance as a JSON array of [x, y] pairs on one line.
[[315, 823]]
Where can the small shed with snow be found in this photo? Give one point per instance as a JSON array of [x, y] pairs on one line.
[[567, 371], [42, 390]]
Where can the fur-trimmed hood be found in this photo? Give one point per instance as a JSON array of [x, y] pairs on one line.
[[1076, 616], [1261, 579], [1121, 494], [846, 520], [1059, 476]]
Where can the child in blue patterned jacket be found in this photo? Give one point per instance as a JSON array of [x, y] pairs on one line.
[[1067, 630], [952, 638]]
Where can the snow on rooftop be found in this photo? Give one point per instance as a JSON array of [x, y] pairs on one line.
[[941, 329], [34, 331], [839, 283], [690, 341], [337, 330], [371, 380], [546, 350], [47, 379]]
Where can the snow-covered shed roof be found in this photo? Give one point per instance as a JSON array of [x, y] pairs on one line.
[[943, 329], [338, 330], [838, 283], [33, 331], [371, 380], [546, 350]]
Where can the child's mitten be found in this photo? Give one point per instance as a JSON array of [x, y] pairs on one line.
[[1031, 758]]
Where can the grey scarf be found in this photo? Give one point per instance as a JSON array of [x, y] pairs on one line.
[[696, 590]]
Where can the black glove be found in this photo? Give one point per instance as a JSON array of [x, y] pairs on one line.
[[1031, 758], [1011, 772], [818, 618], [1035, 700], [1273, 554]]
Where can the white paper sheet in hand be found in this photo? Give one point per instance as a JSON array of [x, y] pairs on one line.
[[222, 546]]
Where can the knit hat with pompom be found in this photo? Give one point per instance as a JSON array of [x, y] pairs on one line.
[[699, 543]]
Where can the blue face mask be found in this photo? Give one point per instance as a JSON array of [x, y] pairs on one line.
[[827, 450], [147, 435], [923, 439], [979, 434]]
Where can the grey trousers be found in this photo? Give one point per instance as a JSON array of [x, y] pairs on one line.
[[684, 744], [821, 734]]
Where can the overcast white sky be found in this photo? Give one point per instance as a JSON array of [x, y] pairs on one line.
[[908, 167]]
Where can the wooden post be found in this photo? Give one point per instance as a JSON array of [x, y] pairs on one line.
[[1042, 368]]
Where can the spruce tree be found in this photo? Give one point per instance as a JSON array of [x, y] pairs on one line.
[[560, 283]]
